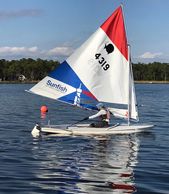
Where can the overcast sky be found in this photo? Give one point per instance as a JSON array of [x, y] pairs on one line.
[[53, 29]]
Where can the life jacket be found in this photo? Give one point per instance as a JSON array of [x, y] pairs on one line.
[[105, 117]]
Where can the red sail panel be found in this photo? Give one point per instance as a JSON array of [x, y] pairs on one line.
[[115, 29]]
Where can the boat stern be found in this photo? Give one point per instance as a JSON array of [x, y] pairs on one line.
[[36, 130]]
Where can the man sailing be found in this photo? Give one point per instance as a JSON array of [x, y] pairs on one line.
[[103, 114]]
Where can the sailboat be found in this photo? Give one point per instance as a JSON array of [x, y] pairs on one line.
[[98, 71]]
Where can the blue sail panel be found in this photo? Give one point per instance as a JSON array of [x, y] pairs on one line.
[[65, 74]]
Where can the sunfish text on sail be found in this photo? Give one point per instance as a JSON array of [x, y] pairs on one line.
[[58, 87]]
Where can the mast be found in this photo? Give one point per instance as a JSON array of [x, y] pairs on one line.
[[129, 86], [129, 77]]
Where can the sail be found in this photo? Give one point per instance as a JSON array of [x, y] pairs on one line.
[[132, 100], [97, 71], [131, 111]]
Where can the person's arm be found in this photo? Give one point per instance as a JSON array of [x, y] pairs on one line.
[[101, 112]]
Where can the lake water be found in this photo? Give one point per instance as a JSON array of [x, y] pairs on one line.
[[81, 164]]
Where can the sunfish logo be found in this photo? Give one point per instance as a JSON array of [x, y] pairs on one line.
[[58, 87]]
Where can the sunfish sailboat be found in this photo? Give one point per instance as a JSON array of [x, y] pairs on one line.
[[98, 71]]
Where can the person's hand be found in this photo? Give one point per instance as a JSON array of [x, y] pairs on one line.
[[86, 118]]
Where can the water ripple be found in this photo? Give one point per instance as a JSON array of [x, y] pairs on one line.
[[136, 163]]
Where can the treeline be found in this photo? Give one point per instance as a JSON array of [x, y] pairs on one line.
[[34, 70], [31, 69], [151, 72]]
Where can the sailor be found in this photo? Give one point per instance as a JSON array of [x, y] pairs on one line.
[[103, 114]]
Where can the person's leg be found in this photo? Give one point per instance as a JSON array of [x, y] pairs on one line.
[[99, 124], [92, 125]]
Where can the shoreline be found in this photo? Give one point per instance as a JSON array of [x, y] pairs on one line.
[[34, 82], [19, 82], [151, 82]]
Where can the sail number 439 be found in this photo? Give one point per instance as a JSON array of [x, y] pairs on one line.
[[102, 61]]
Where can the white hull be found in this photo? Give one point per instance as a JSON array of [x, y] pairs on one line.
[[85, 129]]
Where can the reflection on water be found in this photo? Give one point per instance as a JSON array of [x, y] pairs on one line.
[[88, 165]]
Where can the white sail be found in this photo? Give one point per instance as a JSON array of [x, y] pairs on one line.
[[100, 66], [131, 112], [107, 85], [99, 70], [52, 88], [133, 102]]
